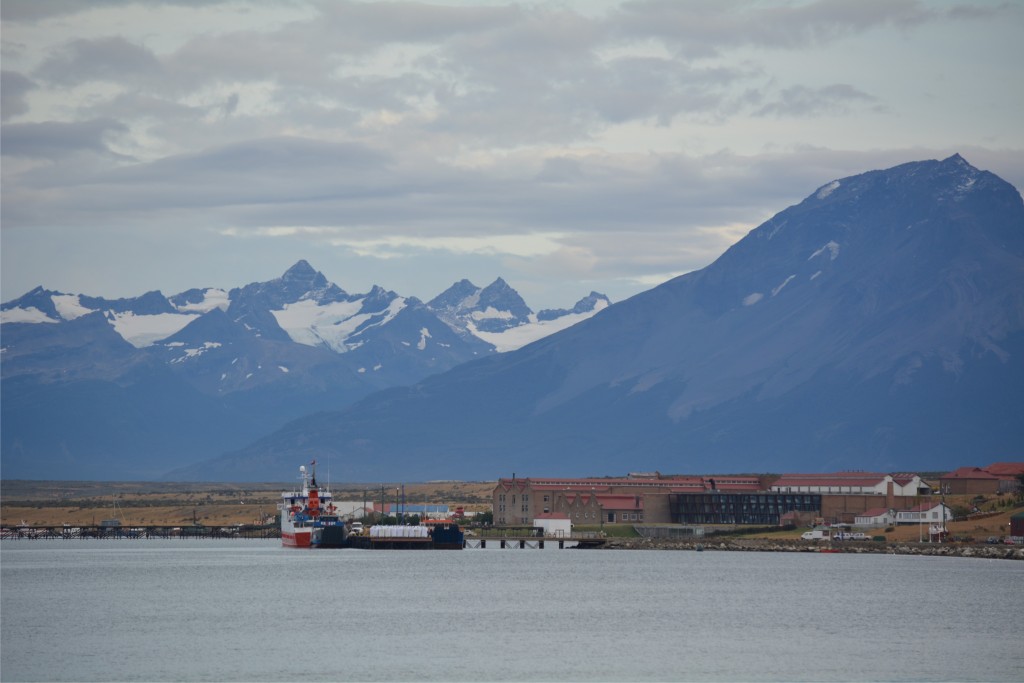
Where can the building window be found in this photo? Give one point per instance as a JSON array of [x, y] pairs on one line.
[[545, 499]]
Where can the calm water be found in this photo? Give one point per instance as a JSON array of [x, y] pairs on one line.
[[253, 611]]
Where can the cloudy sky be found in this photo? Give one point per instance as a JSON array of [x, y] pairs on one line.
[[565, 146]]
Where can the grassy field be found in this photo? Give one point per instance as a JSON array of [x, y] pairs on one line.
[[53, 503]]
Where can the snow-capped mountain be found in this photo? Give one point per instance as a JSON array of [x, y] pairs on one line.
[[879, 323], [253, 357], [499, 316]]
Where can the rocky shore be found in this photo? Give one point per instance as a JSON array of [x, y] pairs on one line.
[[1007, 552]]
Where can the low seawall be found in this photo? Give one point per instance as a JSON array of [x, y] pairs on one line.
[[1007, 552]]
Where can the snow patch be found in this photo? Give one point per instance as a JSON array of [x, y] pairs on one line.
[[751, 299], [25, 315], [282, 368], [832, 247], [827, 189], [361, 370], [69, 306], [491, 313], [424, 336], [816, 275], [784, 283], [195, 353], [144, 330], [212, 298], [521, 335], [331, 325]]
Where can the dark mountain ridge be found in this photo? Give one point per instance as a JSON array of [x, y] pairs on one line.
[[877, 324]]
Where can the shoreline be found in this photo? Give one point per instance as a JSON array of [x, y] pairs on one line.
[[986, 551]]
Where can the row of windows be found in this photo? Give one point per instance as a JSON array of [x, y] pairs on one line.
[[526, 498]]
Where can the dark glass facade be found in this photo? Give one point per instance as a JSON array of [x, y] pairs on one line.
[[739, 508]]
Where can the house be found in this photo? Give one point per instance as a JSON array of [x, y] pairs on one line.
[[875, 517], [926, 513], [554, 524]]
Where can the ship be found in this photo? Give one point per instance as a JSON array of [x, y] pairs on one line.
[[309, 518]]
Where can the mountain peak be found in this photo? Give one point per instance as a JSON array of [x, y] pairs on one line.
[[301, 271]]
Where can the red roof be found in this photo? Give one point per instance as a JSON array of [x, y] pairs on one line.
[[874, 512], [621, 502], [969, 473], [924, 507], [1005, 469], [830, 479], [723, 483], [552, 515]]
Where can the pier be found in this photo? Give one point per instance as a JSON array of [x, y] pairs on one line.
[[500, 541]]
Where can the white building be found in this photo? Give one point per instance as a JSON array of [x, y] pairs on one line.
[[926, 513], [875, 517], [555, 524]]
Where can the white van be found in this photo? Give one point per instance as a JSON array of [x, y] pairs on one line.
[[815, 535]]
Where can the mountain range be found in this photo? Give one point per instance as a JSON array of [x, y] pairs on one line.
[[877, 324], [95, 388]]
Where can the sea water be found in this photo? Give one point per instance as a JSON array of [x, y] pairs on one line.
[[249, 610]]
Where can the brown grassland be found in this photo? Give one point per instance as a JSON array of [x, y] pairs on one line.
[[52, 503]]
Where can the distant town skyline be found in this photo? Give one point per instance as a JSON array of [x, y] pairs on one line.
[[566, 147]]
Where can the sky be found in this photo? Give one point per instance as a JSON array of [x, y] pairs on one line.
[[564, 146]]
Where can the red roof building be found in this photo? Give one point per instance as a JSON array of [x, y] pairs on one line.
[[969, 481]]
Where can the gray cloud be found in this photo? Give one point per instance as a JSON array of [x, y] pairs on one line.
[[13, 88], [704, 29], [800, 101], [54, 140], [112, 59]]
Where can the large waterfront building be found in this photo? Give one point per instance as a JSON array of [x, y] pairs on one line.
[[652, 498], [637, 498]]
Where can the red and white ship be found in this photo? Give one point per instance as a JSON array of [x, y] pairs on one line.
[[308, 516]]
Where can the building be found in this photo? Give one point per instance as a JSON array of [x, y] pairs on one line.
[[926, 513], [1009, 475], [852, 483], [554, 524], [969, 481], [875, 517], [999, 477], [633, 499], [719, 507]]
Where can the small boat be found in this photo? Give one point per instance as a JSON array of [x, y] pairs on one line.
[[308, 516]]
